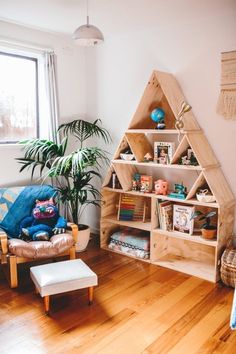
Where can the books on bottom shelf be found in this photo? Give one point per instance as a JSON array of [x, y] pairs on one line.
[[182, 218], [175, 217], [165, 215]]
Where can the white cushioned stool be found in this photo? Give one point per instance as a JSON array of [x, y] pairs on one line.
[[60, 277]]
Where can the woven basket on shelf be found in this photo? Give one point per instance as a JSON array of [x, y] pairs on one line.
[[228, 267]]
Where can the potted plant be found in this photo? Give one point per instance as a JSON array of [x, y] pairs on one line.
[[208, 230], [72, 174]]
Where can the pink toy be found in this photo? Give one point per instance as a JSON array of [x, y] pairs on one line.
[[161, 187]]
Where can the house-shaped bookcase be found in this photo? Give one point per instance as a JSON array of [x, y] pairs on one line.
[[190, 254]]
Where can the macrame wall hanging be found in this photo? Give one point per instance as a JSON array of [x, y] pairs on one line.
[[227, 100]]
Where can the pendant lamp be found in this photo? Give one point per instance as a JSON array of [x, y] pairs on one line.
[[88, 35]]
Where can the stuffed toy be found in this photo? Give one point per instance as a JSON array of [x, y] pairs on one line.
[[44, 222]]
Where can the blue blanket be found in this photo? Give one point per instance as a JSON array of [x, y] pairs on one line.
[[17, 203]]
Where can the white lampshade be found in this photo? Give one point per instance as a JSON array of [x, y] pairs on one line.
[[88, 35]]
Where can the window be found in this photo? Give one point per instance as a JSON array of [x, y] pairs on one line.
[[19, 114]]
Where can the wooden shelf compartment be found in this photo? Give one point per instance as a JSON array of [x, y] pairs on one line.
[[184, 256], [134, 224], [141, 212], [192, 201], [189, 266], [157, 165], [152, 98], [191, 238], [107, 229], [125, 254], [153, 131]]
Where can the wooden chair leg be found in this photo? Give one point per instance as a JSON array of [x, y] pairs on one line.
[[72, 253], [13, 271], [90, 295], [46, 304]]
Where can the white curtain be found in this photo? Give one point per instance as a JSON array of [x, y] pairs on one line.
[[51, 84]]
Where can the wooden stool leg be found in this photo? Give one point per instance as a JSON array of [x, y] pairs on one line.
[[46, 304], [90, 295], [72, 253], [13, 272]]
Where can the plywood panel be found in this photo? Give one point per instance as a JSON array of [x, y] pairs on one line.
[[125, 174], [219, 186], [139, 145], [153, 97], [175, 97], [202, 149]]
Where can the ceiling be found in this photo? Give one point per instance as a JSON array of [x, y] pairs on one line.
[[62, 16]]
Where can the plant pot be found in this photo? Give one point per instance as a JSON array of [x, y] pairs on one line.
[[208, 233], [82, 238]]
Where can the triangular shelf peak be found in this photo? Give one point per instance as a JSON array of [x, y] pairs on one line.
[[162, 91], [125, 173], [122, 147], [183, 152], [111, 180], [219, 186], [200, 185], [202, 151]]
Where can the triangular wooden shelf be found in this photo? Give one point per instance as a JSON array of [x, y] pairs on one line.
[[191, 254], [199, 183], [139, 145], [123, 145]]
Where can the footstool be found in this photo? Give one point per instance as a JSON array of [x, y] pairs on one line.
[[60, 277]]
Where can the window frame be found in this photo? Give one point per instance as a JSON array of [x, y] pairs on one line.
[[35, 60]]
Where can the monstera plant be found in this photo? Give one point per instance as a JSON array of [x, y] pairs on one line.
[[72, 174]]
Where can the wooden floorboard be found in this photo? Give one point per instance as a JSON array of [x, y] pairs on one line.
[[138, 308]]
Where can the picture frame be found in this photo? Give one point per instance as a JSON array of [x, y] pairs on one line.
[[163, 152]]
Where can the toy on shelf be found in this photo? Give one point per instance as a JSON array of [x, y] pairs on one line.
[[205, 196], [127, 155], [161, 187], [115, 183], [136, 182], [148, 157], [189, 159], [158, 116], [146, 184], [180, 191], [132, 208]]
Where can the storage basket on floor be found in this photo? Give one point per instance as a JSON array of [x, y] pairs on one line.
[[228, 267]]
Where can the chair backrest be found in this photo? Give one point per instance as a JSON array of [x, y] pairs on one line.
[[18, 202]]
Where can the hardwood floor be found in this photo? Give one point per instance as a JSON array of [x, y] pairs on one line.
[[138, 308]]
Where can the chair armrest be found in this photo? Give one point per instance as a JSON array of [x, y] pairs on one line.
[[3, 242], [74, 229]]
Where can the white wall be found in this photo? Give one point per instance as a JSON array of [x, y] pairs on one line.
[[71, 87], [184, 37]]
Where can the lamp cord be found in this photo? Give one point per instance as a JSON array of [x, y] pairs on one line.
[[87, 13]]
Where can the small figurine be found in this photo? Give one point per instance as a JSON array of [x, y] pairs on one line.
[[161, 187], [180, 191], [189, 159], [146, 184], [148, 157], [136, 182], [158, 116]]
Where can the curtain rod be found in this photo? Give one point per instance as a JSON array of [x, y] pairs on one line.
[[25, 45]]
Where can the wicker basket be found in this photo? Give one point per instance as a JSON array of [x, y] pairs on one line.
[[228, 267]]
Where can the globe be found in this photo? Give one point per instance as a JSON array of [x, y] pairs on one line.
[[158, 115]]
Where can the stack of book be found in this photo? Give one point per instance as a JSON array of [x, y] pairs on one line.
[[165, 215]]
